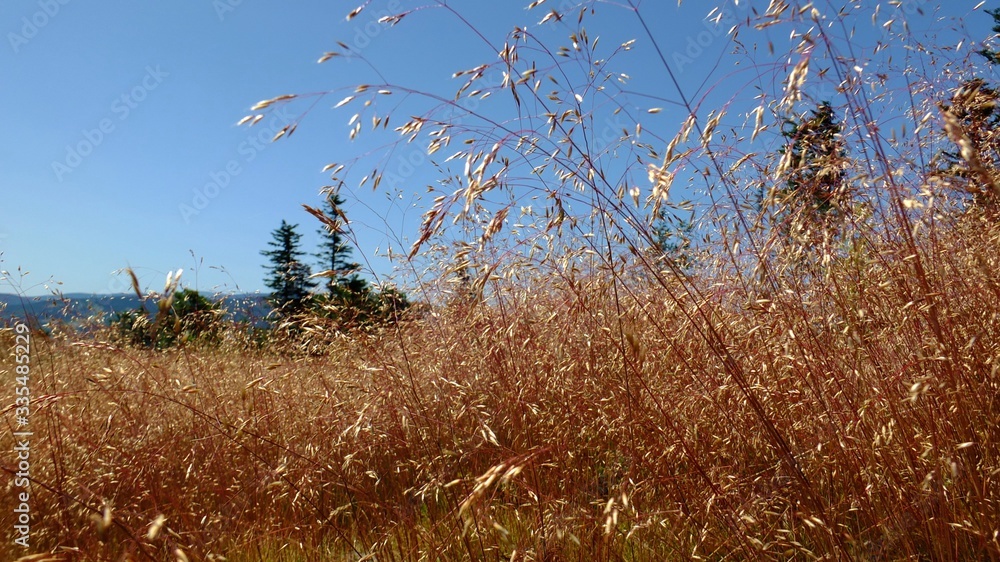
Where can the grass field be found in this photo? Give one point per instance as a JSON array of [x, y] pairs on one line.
[[812, 381], [586, 421]]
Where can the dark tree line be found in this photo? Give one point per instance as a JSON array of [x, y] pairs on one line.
[[346, 297], [972, 122]]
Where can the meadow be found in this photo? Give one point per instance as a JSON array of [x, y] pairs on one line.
[[811, 375]]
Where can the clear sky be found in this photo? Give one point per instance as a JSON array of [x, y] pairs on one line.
[[121, 147]]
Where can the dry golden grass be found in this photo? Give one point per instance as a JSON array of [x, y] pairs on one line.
[[834, 401], [588, 420]]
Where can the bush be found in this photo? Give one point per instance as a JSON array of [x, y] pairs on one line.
[[355, 309], [183, 317]]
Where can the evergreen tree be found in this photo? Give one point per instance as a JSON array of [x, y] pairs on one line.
[[992, 56], [288, 275], [975, 121], [350, 301], [672, 239], [812, 200], [335, 255], [972, 122]]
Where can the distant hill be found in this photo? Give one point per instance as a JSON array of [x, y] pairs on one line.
[[74, 308]]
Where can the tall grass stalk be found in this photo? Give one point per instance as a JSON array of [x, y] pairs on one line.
[[568, 392]]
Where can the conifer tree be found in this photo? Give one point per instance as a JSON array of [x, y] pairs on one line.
[[350, 301], [672, 240], [335, 255], [289, 276], [991, 55], [815, 188], [972, 122]]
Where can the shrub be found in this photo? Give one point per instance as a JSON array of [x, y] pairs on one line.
[[185, 317]]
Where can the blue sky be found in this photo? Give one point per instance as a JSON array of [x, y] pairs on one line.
[[121, 146]]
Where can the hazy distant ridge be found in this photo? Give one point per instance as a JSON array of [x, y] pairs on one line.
[[75, 307]]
